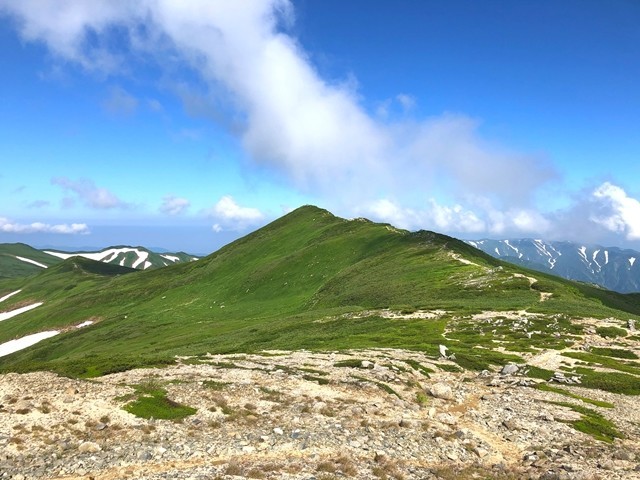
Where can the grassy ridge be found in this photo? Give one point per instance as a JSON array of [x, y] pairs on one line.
[[12, 267], [288, 286]]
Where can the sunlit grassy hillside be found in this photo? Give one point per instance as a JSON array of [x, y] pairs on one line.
[[295, 283]]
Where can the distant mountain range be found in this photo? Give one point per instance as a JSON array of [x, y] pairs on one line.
[[610, 267], [19, 259]]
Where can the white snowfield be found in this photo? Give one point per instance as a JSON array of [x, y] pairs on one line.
[[107, 256], [24, 342], [18, 311], [9, 295], [28, 340], [171, 258], [28, 260]]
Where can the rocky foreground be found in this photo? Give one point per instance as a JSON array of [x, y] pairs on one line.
[[375, 414]]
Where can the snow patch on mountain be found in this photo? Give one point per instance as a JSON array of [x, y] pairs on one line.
[[142, 257], [106, 256], [33, 262], [595, 254], [18, 311], [506, 242], [21, 343], [583, 253], [9, 295]]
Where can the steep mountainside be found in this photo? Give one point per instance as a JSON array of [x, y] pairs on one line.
[[610, 267], [309, 280], [19, 260]]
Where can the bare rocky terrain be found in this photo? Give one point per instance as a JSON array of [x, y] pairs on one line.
[[374, 414]]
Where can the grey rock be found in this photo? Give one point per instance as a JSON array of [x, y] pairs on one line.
[[509, 369], [624, 455], [510, 424], [89, 447], [446, 418], [441, 390]]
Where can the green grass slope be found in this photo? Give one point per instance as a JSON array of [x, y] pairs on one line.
[[11, 266], [308, 280]]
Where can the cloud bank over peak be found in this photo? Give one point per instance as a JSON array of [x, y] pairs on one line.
[[438, 172], [314, 132]]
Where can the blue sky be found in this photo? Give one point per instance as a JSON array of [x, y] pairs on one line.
[[184, 125]]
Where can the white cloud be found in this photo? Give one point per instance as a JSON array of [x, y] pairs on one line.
[[483, 217], [260, 79], [434, 216], [530, 221], [231, 216], [7, 226], [621, 212], [88, 193], [172, 205], [455, 218]]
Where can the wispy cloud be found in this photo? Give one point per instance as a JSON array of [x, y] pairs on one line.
[[87, 192], [407, 102], [172, 205], [39, 204], [154, 105], [7, 226], [119, 102], [231, 216]]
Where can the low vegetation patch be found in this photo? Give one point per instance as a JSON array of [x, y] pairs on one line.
[[598, 403], [537, 372], [613, 382], [382, 386], [152, 402], [592, 423], [611, 332], [215, 385], [607, 362], [417, 366], [614, 352], [352, 363], [320, 380]]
